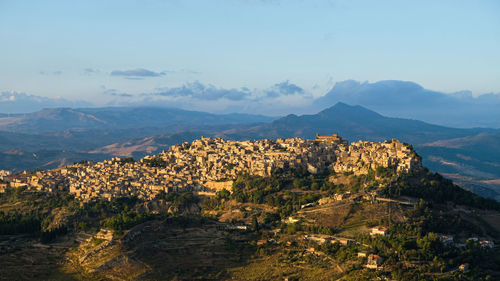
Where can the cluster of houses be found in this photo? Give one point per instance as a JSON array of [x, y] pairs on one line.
[[209, 164], [448, 240], [373, 261], [3, 180], [106, 180], [362, 156], [4, 173], [322, 238], [218, 159]]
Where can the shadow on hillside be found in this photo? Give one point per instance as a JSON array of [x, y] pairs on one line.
[[189, 248]]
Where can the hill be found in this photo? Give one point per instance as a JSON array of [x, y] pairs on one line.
[[113, 118], [471, 161], [352, 122], [113, 137], [481, 153], [410, 100], [363, 223], [357, 122]]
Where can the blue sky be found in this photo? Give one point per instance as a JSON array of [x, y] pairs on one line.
[[89, 49]]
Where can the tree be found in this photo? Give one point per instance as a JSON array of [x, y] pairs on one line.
[[255, 223]]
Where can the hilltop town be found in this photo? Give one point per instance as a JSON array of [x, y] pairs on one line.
[[276, 209], [210, 164]]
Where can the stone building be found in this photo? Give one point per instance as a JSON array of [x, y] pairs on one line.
[[208, 165]]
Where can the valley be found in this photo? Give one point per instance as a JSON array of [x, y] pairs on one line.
[[299, 210], [466, 153]]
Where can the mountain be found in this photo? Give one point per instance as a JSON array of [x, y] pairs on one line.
[[86, 222], [97, 144], [459, 155], [60, 119], [58, 136], [485, 146], [410, 100], [357, 122], [469, 156], [471, 161], [12, 102], [18, 160], [63, 135], [141, 147]]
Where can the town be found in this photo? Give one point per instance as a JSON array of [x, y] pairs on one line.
[[208, 165]]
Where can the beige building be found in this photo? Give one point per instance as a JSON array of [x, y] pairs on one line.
[[208, 165]]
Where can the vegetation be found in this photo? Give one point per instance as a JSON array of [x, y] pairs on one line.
[[179, 200], [434, 187], [125, 220], [155, 162], [33, 215], [273, 247]]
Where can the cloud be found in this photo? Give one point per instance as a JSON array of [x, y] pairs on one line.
[[280, 98], [15, 102], [123, 95], [116, 93], [137, 73], [89, 71], [197, 90], [134, 78], [183, 71], [285, 89], [57, 72]]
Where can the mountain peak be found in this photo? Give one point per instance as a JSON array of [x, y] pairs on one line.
[[349, 111]]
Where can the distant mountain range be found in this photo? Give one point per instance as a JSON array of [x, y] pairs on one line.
[[12, 103], [476, 156], [394, 98], [60, 119], [410, 100], [55, 137], [357, 122]]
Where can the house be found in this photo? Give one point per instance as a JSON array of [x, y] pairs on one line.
[[446, 239], [261, 242], [306, 205], [343, 241], [325, 200], [464, 267], [473, 239], [320, 239], [374, 261], [342, 196], [105, 234], [379, 230], [3, 186], [237, 227], [4, 173], [486, 244], [361, 254]]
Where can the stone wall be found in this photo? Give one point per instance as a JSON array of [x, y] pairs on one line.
[[219, 185]]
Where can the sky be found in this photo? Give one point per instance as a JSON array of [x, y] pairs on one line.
[[106, 51]]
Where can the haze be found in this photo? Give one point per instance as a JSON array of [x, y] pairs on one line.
[[246, 56]]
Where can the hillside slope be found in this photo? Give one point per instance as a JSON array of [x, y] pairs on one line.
[[410, 100], [357, 122], [60, 119]]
